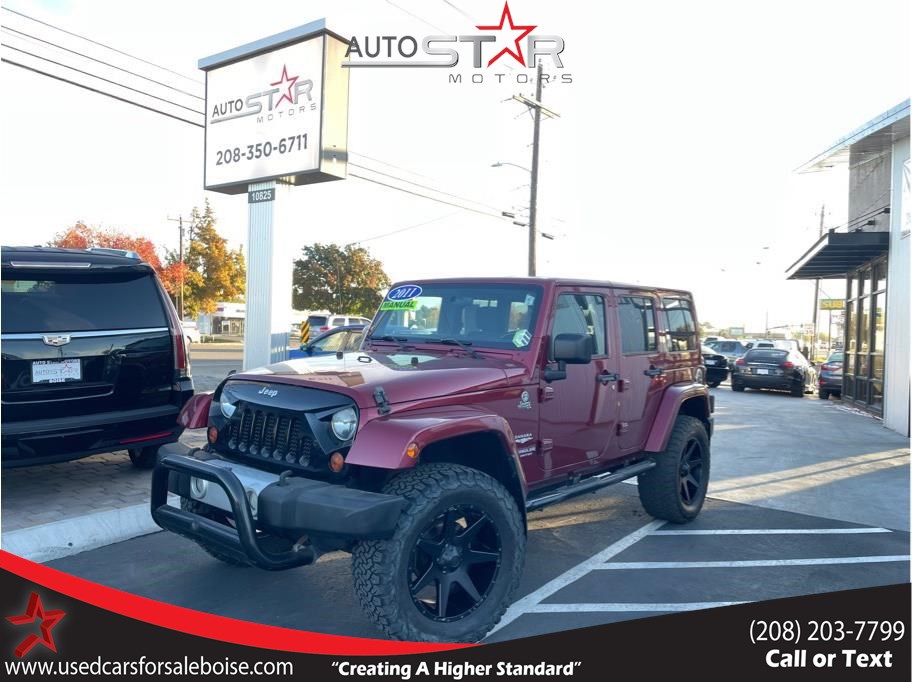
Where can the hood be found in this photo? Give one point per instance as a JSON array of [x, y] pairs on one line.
[[405, 376]]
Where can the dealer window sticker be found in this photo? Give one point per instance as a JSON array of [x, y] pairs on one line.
[[411, 304], [521, 338]]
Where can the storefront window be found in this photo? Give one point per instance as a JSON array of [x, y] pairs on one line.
[[877, 394], [864, 327], [877, 363], [880, 276], [850, 327], [879, 314], [865, 285], [853, 286]]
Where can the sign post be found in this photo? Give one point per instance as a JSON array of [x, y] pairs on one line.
[[276, 112]]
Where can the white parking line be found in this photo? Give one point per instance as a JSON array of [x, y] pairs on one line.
[[775, 531], [532, 599], [636, 565], [622, 607]]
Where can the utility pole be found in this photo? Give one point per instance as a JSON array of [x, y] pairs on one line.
[[537, 110], [813, 352], [180, 255]]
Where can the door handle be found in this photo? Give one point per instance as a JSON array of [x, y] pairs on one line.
[[607, 377], [654, 371]]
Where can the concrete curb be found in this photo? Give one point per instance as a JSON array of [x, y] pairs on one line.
[[58, 539]]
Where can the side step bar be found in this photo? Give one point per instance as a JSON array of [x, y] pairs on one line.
[[590, 484]]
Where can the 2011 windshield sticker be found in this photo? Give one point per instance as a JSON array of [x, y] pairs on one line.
[[411, 304], [404, 292]]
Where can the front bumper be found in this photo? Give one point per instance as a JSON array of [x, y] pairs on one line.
[[291, 508]]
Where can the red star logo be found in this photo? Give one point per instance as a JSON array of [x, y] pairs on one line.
[[525, 30], [282, 81], [48, 620]]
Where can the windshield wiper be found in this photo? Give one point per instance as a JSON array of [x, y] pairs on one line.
[[400, 340], [467, 345]]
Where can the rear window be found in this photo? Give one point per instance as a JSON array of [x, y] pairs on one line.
[[39, 302], [317, 320], [766, 355]]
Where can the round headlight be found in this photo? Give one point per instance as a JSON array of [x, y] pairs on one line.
[[344, 423], [226, 405]]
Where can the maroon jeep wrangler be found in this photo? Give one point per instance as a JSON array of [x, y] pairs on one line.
[[472, 403]]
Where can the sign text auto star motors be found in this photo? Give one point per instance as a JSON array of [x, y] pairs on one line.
[[263, 115]]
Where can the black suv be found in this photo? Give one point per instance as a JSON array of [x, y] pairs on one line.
[[94, 359]]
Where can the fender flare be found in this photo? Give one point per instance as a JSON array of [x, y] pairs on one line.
[[382, 442], [668, 411]]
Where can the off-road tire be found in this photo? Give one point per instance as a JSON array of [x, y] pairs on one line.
[[737, 388], [144, 458], [214, 514], [381, 567], [660, 487]]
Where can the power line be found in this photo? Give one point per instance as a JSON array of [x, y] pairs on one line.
[[428, 187], [462, 12], [391, 165], [415, 16], [107, 47], [425, 196], [405, 229], [101, 61], [100, 92], [101, 78]]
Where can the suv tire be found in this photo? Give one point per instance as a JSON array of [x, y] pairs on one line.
[[738, 388], [144, 458], [674, 490], [798, 391], [823, 394], [209, 512], [399, 581]]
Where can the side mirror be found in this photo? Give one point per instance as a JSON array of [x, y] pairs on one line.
[[569, 349], [573, 349]]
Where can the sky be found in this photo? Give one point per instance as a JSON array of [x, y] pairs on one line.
[[671, 164]]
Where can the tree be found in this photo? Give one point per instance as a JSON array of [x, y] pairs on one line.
[[81, 236], [340, 279], [213, 271]]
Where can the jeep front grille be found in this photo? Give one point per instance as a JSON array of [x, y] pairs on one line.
[[258, 432]]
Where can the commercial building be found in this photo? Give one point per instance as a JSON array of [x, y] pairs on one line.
[[871, 254]]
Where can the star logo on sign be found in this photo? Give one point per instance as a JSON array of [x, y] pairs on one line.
[[522, 30], [282, 81], [48, 620]]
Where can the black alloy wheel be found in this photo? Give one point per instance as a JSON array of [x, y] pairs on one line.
[[454, 563], [691, 472]]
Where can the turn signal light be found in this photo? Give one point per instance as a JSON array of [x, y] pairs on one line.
[[412, 451], [336, 462], [212, 434]]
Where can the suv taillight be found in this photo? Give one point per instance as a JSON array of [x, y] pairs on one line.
[[788, 364], [181, 362], [831, 366], [740, 361]]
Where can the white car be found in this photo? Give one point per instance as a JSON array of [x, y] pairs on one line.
[[191, 333]]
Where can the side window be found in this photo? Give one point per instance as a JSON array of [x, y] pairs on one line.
[[332, 342], [637, 318], [354, 341], [338, 321], [682, 332], [581, 314]]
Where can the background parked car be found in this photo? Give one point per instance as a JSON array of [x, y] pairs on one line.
[[191, 332], [323, 323], [776, 369], [347, 338], [829, 381], [94, 357], [716, 367], [732, 350]]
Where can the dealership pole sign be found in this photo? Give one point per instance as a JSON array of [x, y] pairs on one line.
[[277, 109], [276, 113]]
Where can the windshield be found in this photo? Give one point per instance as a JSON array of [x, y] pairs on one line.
[[489, 315]]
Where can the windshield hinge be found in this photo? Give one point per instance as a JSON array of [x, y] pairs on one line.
[[383, 406]]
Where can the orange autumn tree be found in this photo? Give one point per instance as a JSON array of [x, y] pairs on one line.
[[81, 236]]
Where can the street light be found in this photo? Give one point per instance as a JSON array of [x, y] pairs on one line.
[[499, 164]]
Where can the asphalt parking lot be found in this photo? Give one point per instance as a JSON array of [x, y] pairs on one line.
[[806, 497]]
